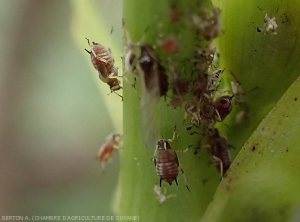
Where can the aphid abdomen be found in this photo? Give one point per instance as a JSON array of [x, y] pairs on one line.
[[223, 161], [100, 57], [106, 153], [167, 169], [166, 162]]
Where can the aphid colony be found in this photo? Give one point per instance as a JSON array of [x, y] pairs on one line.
[[197, 94]]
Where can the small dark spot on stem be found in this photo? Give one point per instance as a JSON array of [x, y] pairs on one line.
[[253, 148], [286, 149], [295, 98]]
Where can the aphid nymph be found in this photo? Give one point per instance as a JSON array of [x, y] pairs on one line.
[[219, 148], [108, 148], [103, 61], [166, 162]]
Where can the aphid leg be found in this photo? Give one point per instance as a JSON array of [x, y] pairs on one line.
[[185, 150], [216, 159], [184, 177], [116, 94], [92, 51], [175, 182], [174, 134]]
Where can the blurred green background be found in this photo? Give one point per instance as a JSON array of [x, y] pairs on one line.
[[54, 111]]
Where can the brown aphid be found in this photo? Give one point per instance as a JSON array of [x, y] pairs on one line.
[[219, 109], [108, 148], [166, 162], [169, 45], [224, 106], [103, 61], [219, 148]]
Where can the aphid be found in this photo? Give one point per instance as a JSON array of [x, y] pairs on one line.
[[145, 64], [166, 162], [224, 106], [155, 77], [161, 196], [103, 61], [219, 109], [169, 45], [108, 148], [219, 148]]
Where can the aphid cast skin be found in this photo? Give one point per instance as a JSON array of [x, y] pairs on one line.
[[166, 162], [219, 148], [103, 61], [270, 25], [161, 196], [108, 148]]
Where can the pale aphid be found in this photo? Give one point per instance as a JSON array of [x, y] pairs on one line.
[[108, 148], [103, 61]]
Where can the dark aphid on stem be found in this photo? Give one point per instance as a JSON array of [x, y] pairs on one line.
[[219, 148], [166, 162], [155, 77], [142, 61], [219, 109], [108, 148], [224, 106], [103, 61]]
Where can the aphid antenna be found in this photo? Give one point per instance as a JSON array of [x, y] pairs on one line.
[[92, 51], [185, 150], [266, 11], [234, 76], [174, 134]]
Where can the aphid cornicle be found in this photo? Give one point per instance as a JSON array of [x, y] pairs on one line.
[[103, 61], [166, 162], [219, 148], [108, 148]]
